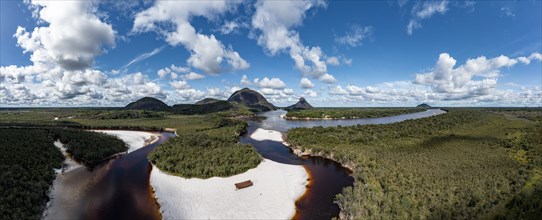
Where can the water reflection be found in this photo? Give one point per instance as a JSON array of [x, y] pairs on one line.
[[272, 120]]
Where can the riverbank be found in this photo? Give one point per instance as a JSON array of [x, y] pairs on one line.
[[470, 154], [276, 188], [69, 163], [347, 113], [73, 180], [266, 135], [134, 139], [327, 177]]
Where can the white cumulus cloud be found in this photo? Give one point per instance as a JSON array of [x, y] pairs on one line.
[[72, 37], [273, 83], [193, 76], [306, 83], [207, 52], [275, 19]]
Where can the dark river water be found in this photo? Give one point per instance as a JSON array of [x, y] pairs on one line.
[[115, 189], [327, 177], [120, 189]]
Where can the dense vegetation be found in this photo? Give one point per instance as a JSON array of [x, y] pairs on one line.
[[26, 165], [211, 107], [207, 152], [87, 146], [207, 144], [463, 164], [122, 114], [348, 113]]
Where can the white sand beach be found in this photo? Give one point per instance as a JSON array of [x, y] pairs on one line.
[[276, 188], [134, 139], [266, 135]]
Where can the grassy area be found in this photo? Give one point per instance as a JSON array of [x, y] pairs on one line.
[[26, 172], [463, 164], [348, 113]]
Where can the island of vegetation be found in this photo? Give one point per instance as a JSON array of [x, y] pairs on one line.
[[346, 113], [464, 164], [212, 150]]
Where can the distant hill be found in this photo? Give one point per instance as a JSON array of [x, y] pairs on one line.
[[251, 99], [202, 108], [423, 105], [148, 103], [207, 101], [301, 104]]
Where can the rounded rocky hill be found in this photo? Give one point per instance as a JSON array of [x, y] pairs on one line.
[[301, 104], [148, 103], [252, 99]]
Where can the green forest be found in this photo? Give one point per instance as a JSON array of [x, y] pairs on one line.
[[29, 156], [464, 164], [207, 152], [348, 113], [27, 161], [207, 146], [88, 146]]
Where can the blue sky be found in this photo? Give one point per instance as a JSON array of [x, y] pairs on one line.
[[333, 53]]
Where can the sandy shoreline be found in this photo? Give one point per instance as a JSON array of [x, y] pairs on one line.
[[134, 139], [69, 164], [73, 180], [276, 188], [266, 135]]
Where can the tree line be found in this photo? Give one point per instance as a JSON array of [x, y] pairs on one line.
[[463, 164], [87, 146], [348, 113], [26, 172]]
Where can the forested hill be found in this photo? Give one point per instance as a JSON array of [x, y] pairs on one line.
[[244, 97], [207, 101], [148, 103], [423, 105]]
